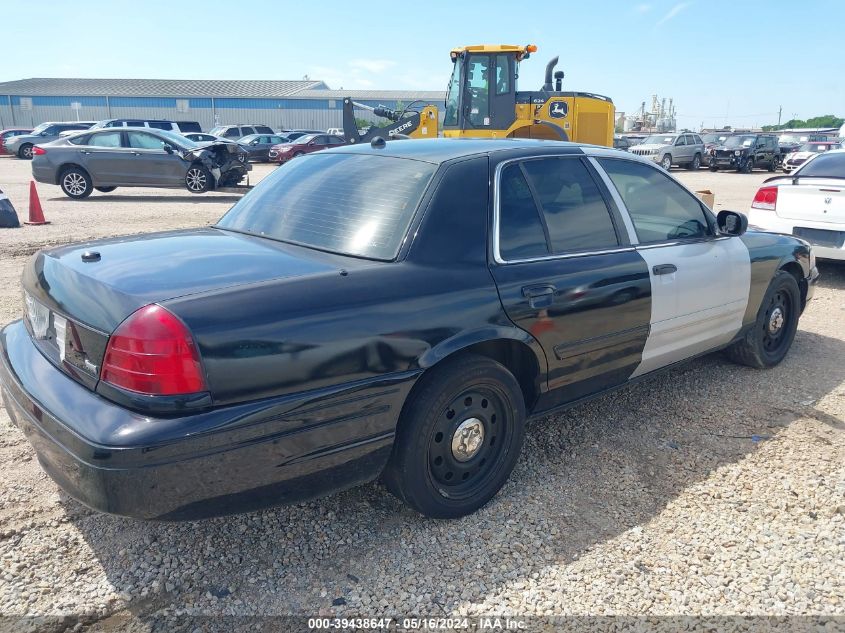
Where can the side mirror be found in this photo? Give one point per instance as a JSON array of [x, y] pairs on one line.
[[43, 134], [732, 222], [255, 142], [167, 147]]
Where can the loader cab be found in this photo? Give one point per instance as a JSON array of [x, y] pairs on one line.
[[482, 91]]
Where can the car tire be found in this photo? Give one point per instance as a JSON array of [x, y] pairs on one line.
[[76, 183], [749, 166], [773, 165], [666, 162], [105, 189], [713, 167], [458, 438], [695, 165], [25, 151], [198, 179], [767, 343]]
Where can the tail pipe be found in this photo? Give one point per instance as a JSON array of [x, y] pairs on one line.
[[550, 67]]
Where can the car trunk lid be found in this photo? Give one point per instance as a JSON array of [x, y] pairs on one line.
[[813, 200], [77, 295]]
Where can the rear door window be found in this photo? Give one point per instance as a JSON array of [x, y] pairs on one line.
[[263, 129], [160, 125], [105, 139], [231, 132], [521, 231], [135, 124], [247, 130]]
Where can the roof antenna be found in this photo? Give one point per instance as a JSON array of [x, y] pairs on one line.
[[378, 142]]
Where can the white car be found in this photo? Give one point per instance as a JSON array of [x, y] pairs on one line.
[[806, 151], [337, 131], [809, 203]]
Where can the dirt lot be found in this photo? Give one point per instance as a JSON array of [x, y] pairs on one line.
[[711, 490]]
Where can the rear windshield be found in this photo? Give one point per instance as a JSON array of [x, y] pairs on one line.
[[351, 204], [827, 165]]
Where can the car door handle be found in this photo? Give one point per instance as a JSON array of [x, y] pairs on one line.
[[664, 269], [84, 151], [532, 292]]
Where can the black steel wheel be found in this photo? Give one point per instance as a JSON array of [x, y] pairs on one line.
[[713, 166], [768, 342], [458, 439], [749, 165]]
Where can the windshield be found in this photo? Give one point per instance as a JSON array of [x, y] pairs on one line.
[[40, 128], [659, 139], [827, 165], [715, 138], [814, 147], [302, 140], [452, 94], [740, 141], [177, 139], [352, 204], [787, 138], [216, 131]]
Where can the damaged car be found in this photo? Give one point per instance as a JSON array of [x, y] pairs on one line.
[[137, 157]]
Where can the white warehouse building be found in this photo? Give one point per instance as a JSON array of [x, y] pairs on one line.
[[279, 104]]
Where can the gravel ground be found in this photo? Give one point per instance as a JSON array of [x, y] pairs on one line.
[[711, 490]]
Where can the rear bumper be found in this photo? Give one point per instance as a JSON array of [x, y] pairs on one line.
[[228, 460], [770, 221], [44, 173]]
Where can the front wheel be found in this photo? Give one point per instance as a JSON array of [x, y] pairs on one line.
[[105, 189], [458, 438], [748, 167], [666, 163], [198, 179], [773, 165], [25, 151], [768, 342], [713, 167], [76, 183]]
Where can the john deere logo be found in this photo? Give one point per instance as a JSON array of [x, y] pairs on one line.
[[559, 110]]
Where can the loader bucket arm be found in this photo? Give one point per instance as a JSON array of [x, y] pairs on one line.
[[415, 124]]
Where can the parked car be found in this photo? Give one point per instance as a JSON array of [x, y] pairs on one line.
[[712, 140], [394, 311], [22, 145], [305, 144], [137, 157], [620, 142], [672, 149], [744, 152], [9, 133], [807, 150], [202, 137], [292, 135], [789, 143], [809, 203], [335, 131], [259, 145], [180, 127], [234, 132]]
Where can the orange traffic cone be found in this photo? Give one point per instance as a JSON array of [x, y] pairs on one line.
[[36, 214]]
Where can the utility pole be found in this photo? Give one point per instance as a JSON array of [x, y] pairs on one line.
[[780, 110]]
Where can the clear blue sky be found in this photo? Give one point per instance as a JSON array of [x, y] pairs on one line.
[[723, 61]]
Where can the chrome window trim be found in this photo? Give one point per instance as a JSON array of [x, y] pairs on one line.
[[497, 256]]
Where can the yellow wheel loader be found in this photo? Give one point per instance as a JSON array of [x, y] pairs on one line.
[[482, 101]]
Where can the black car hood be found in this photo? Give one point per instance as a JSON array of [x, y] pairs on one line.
[[135, 271]]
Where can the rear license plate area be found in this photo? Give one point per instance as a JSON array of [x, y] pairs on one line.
[[821, 237]]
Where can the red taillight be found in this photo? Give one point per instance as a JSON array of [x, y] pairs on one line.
[[766, 198], [38, 151], [152, 352]]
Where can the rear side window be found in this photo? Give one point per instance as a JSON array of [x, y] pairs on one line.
[[659, 207], [232, 132], [352, 204], [105, 139], [263, 129], [247, 130], [139, 140], [160, 125], [135, 124], [572, 206], [521, 234]]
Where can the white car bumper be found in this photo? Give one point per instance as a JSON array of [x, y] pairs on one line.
[[827, 238]]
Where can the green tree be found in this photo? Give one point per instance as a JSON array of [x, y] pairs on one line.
[[826, 120]]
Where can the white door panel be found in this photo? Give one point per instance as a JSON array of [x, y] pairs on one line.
[[701, 305]]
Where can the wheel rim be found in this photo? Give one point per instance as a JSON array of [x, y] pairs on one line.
[[74, 183], [777, 322], [27, 151], [667, 162], [696, 162], [468, 441], [749, 166], [195, 179]]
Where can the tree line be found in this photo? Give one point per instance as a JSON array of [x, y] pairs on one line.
[[827, 120]]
